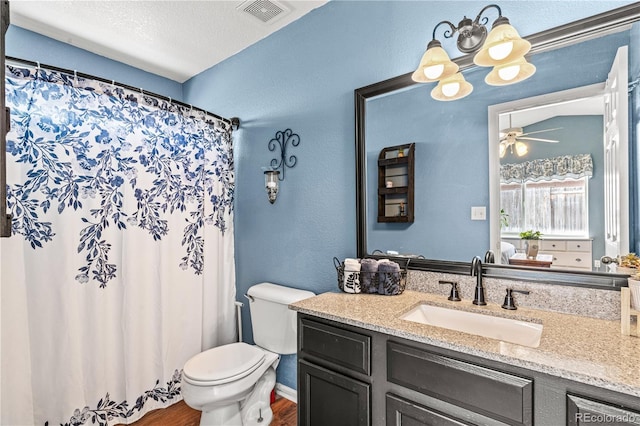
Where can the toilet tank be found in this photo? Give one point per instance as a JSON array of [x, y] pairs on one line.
[[273, 323]]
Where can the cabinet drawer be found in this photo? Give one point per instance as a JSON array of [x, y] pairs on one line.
[[586, 411], [553, 245], [401, 412], [572, 259], [492, 393], [339, 346], [578, 245]]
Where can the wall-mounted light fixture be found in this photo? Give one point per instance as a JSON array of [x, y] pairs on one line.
[[502, 48], [271, 184], [279, 164]]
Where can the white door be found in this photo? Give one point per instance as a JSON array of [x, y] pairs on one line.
[[616, 164]]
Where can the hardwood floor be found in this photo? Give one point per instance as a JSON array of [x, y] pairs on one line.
[[180, 414]]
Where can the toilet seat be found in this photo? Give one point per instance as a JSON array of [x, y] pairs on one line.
[[223, 364]]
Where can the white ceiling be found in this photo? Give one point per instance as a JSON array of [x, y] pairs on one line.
[[176, 39]]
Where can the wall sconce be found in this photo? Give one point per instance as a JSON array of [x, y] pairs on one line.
[[271, 184], [502, 48], [280, 163]]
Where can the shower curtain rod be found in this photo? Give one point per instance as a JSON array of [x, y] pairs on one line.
[[233, 122]]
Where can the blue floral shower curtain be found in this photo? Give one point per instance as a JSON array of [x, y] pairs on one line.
[[121, 264]]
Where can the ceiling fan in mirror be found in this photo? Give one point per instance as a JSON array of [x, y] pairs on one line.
[[515, 138]]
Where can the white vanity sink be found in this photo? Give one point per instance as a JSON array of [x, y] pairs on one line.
[[505, 329]]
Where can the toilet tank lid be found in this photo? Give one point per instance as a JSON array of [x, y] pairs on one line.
[[278, 293]]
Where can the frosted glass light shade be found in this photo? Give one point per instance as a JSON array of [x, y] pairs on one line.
[[500, 51], [513, 72], [434, 65], [521, 149], [433, 72], [503, 45], [452, 88], [503, 149], [509, 72]]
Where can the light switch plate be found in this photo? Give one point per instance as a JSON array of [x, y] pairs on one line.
[[479, 213]]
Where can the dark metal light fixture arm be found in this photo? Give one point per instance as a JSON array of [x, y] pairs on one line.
[[485, 19], [447, 33]]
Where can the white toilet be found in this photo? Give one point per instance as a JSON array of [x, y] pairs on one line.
[[232, 384]]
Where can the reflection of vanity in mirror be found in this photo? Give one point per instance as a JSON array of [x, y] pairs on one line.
[[559, 160], [458, 165]]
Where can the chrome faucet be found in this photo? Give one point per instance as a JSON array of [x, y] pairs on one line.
[[476, 269]]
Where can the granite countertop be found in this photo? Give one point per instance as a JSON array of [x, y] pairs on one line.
[[582, 349]]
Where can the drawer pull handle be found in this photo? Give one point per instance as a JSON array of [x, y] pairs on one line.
[[578, 260], [579, 246], [555, 258]]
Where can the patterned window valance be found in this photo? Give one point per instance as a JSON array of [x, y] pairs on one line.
[[567, 166]]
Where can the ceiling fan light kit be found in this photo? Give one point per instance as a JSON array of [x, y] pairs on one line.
[[502, 48], [513, 137]]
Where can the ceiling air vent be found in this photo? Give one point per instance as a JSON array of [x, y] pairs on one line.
[[265, 10]]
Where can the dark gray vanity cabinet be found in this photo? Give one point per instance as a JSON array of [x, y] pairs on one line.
[[587, 411], [334, 365], [352, 376], [495, 394], [403, 412]]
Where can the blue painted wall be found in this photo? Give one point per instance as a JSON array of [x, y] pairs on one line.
[[302, 77], [25, 44]]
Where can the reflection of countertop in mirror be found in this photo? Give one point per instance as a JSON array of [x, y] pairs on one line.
[[587, 350], [541, 260]]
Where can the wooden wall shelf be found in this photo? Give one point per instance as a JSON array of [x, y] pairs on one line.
[[396, 184]]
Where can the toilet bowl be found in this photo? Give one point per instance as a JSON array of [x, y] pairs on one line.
[[232, 384], [218, 382]]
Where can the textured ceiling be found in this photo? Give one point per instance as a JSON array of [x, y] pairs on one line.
[[174, 39]]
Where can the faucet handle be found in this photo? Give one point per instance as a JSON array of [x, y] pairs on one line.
[[509, 301], [454, 295]]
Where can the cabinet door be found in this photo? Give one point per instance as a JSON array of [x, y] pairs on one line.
[[581, 411], [401, 412], [329, 398]]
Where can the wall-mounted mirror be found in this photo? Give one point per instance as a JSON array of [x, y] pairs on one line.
[[452, 167]]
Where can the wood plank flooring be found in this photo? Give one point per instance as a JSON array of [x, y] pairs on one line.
[[180, 414]]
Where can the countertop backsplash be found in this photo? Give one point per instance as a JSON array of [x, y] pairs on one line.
[[588, 302]]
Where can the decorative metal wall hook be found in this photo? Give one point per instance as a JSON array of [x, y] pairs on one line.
[[282, 140], [273, 174]]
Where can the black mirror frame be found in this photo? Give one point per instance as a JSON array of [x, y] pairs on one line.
[[597, 25]]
